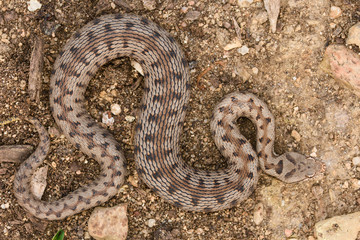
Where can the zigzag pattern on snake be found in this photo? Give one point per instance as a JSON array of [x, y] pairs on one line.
[[158, 128]]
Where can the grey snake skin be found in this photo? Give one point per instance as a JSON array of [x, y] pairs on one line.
[[158, 127]]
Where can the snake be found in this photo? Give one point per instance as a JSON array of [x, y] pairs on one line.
[[158, 128]]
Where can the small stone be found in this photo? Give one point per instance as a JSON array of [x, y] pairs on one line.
[[234, 44], [192, 15], [115, 109], [355, 183], [288, 232], [129, 118], [244, 3], [133, 180], [33, 5], [137, 67], [199, 231], [335, 12], [107, 119], [354, 35], [109, 223], [23, 84], [5, 205], [243, 50], [255, 70], [259, 213], [296, 135], [149, 4], [356, 161], [151, 222]]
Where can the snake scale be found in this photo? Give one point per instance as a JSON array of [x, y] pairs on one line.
[[158, 128]]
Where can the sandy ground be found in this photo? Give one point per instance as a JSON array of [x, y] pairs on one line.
[[314, 114]]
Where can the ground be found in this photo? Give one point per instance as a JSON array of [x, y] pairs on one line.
[[314, 114]]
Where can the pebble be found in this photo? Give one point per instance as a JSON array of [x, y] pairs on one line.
[[356, 161], [115, 109], [344, 65], [33, 5], [149, 4], [151, 222], [335, 12], [244, 3], [109, 223], [288, 232], [137, 67], [243, 50], [339, 227], [255, 70], [5, 205], [354, 35], [259, 213], [107, 119], [296, 135], [234, 44], [129, 118], [192, 15]]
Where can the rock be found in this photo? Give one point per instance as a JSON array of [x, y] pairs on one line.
[[356, 161], [151, 222], [107, 119], [344, 65], [243, 50], [335, 12], [339, 227], [129, 118], [234, 44], [115, 109], [109, 223], [259, 213], [149, 4], [354, 35], [192, 15], [137, 67], [296, 135], [244, 3], [33, 5]]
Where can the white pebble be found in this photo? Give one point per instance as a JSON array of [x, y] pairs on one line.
[[33, 5], [107, 119], [5, 205], [259, 213], [243, 50], [115, 109], [151, 222], [130, 118], [356, 161], [255, 70], [137, 67]]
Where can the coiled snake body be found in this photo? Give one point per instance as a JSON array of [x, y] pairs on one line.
[[158, 127]]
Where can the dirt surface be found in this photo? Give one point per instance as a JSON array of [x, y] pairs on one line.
[[314, 114]]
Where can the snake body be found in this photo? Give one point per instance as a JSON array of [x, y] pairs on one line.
[[158, 127]]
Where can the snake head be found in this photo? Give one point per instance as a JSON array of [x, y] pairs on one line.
[[298, 167]]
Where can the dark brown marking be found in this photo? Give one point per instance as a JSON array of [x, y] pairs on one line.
[[290, 158], [279, 167], [291, 173]]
